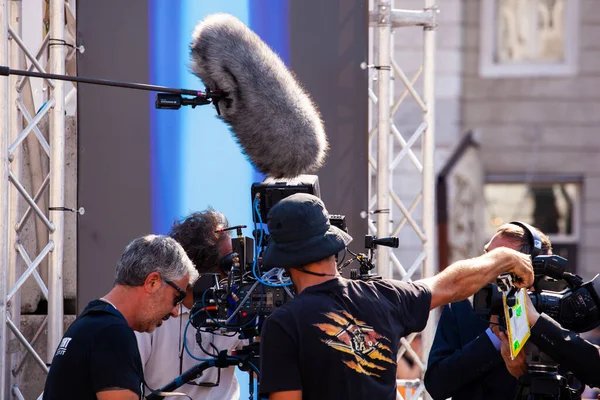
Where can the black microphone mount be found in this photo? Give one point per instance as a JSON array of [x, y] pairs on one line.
[[169, 98], [366, 260]]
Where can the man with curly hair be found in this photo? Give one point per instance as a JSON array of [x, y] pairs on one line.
[[163, 352]]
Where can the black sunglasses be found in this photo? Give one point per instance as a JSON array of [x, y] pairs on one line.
[[182, 293]]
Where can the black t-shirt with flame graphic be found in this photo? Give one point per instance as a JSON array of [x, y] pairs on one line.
[[339, 339]]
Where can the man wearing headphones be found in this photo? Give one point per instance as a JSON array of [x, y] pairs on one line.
[[163, 353], [465, 361], [339, 338], [469, 360]]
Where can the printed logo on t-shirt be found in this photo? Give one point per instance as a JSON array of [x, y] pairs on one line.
[[62, 348], [352, 336]]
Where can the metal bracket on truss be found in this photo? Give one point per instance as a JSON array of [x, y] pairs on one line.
[[386, 15], [383, 17], [434, 10]]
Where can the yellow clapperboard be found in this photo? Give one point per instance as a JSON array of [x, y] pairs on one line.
[[517, 324]]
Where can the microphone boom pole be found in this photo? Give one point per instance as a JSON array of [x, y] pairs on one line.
[[169, 98]]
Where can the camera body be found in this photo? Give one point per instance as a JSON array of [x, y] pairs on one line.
[[271, 190], [576, 308], [240, 308], [244, 294], [238, 299]]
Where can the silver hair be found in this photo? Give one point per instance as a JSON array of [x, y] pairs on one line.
[[154, 253]]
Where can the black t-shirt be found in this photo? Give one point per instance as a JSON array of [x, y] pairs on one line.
[[340, 339], [98, 351]]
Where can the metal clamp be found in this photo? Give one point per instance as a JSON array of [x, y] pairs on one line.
[[79, 211], [433, 24]]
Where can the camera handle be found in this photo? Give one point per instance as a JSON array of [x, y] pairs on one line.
[[245, 361], [190, 374], [248, 356], [545, 385]]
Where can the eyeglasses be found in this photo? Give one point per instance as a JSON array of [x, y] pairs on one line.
[[182, 293]]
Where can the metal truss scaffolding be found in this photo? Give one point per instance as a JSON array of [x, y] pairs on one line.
[[389, 142], [20, 133], [21, 140]]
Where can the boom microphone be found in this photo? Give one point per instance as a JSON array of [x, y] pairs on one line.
[[271, 116]]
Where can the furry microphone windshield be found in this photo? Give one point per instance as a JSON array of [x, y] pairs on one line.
[[271, 116]]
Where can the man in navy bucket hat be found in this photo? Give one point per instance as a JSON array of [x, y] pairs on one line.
[[339, 338], [302, 233]]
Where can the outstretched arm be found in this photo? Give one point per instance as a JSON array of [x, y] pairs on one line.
[[463, 278]]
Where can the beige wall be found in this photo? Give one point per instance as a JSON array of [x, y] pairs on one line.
[[561, 116], [558, 115]]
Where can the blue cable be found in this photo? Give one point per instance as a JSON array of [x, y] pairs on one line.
[[225, 326], [185, 341], [254, 367], [255, 263]]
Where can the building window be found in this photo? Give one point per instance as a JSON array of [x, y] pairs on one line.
[[529, 37], [552, 207]]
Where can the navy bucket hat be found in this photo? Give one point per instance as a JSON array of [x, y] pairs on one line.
[[301, 233]]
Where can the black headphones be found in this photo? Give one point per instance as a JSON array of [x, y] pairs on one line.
[[534, 239]]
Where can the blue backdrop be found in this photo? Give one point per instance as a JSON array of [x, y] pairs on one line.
[[194, 159]]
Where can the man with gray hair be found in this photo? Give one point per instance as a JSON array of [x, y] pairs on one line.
[[98, 356]]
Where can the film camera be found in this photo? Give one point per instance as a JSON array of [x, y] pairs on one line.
[[245, 293], [576, 308], [237, 300]]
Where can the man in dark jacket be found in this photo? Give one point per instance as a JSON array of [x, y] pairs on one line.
[[465, 360]]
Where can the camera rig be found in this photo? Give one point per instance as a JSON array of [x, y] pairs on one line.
[[238, 299], [365, 261], [576, 308], [249, 293]]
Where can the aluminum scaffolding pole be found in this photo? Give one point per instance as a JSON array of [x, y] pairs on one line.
[[29, 230], [4, 206], [383, 17], [429, 266], [57, 177], [16, 170], [384, 28]]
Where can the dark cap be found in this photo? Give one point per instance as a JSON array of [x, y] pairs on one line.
[[301, 233]]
